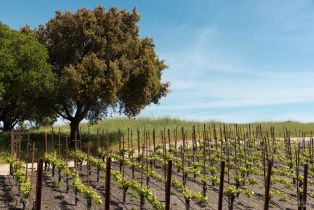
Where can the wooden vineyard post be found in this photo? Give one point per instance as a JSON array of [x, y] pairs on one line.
[[53, 150], [146, 158], [297, 163], [164, 141], [138, 141], [312, 151], [80, 139], [221, 143], [27, 146], [88, 163], [128, 138], [27, 153], [33, 156], [163, 136], [97, 138], [75, 162], [193, 143], [98, 170], [263, 149], [150, 152], [175, 141], [59, 143], [132, 153], [221, 184], [154, 140], [108, 175], [11, 148], [46, 143], [169, 140], [267, 186], [18, 146], [204, 168], [66, 148], [12, 142], [89, 200], [39, 184], [168, 185], [305, 187], [103, 138], [89, 145], [120, 162], [142, 201], [52, 138], [32, 169], [121, 152], [199, 133], [107, 141], [46, 148], [154, 144], [66, 160], [75, 149], [215, 136], [182, 157]]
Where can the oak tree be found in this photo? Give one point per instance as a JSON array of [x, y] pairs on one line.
[[102, 64]]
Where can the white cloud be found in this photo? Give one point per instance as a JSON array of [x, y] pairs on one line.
[[206, 76], [263, 62]]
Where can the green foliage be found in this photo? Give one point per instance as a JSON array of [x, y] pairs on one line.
[[118, 177], [187, 194], [107, 64], [85, 191], [19, 174], [199, 198], [215, 179], [280, 193], [252, 181], [142, 190], [311, 194], [231, 191], [26, 79]]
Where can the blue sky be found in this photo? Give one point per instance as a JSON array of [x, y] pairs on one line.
[[235, 61]]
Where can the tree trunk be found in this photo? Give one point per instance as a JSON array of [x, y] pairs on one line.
[[74, 132]]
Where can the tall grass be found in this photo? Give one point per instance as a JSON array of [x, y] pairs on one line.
[[159, 124], [141, 124], [113, 124]]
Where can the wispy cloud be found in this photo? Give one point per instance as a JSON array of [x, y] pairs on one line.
[[206, 75]]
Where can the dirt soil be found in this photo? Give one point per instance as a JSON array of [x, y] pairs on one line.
[[54, 194]]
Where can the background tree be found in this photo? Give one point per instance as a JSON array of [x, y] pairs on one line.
[[26, 79], [101, 63]]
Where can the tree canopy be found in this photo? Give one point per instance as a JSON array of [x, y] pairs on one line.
[[26, 78], [101, 63]]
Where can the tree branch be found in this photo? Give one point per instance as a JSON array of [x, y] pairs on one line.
[[82, 115], [69, 116], [62, 115]]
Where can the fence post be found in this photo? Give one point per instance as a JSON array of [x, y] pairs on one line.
[[12, 141], [267, 187], [304, 187], [107, 141], [221, 184], [168, 185], [97, 138], [39, 184], [108, 174]]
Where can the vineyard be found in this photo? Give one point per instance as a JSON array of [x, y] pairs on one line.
[[213, 167]]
